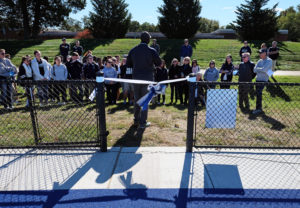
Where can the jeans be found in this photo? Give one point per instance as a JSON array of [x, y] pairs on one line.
[[43, 93], [259, 90], [243, 96], [111, 92], [76, 92], [6, 94]]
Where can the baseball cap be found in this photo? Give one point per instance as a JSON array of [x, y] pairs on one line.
[[262, 50], [63, 39], [75, 54]]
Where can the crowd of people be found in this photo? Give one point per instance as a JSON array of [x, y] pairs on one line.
[[74, 64]]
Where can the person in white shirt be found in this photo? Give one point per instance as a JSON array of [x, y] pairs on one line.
[[41, 72]]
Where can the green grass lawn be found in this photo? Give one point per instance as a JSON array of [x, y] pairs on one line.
[[280, 126], [204, 50]]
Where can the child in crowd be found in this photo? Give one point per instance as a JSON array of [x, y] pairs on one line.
[[111, 87], [161, 75], [211, 74]]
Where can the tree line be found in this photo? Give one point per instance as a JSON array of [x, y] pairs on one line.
[[178, 18]]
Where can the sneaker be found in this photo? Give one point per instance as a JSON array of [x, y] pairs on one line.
[[143, 126], [63, 103], [257, 111], [158, 103], [124, 102], [164, 103], [41, 104], [60, 103]]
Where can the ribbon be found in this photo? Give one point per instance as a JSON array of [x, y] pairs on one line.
[[144, 101]]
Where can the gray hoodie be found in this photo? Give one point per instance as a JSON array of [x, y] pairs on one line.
[[261, 69], [59, 72], [211, 75], [7, 69]]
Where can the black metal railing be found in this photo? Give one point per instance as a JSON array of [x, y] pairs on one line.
[[220, 118], [52, 114]]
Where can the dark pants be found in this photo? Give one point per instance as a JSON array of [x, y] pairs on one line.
[[174, 90], [76, 92], [180, 91], [163, 97], [60, 89], [139, 115], [243, 96], [88, 89], [51, 91], [6, 93], [186, 92], [225, 86], [111, 92], [259, 90]]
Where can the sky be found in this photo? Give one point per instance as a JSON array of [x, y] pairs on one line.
[[221, 10]]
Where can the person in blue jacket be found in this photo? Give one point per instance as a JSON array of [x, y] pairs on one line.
[[186, 50]]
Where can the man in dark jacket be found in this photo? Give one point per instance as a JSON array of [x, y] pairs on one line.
[[75, 72], [64, 49], [142, 59], [186, 50], [246, 74], [245, 49], [89, 73]]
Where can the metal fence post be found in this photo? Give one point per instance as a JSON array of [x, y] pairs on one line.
[[191, 107], [100, 100], [30, 97]]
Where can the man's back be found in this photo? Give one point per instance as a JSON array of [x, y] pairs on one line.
[[142, 59]]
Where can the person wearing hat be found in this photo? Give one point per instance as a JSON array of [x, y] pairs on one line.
[[263, 66], [75, 71], [245, 49], [64, 49], [142, 59]]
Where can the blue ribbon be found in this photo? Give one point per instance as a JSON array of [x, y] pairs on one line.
[[153, 91]]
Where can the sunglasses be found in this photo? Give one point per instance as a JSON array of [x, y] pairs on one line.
[[2, 53], [109, 62], [244, 56]]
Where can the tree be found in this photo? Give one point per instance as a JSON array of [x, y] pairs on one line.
[[289, 19], [180, 18], [134, 26], [71, 24], [110, 18], [146, 26], [31, 16], [255, 23], [208, 26]]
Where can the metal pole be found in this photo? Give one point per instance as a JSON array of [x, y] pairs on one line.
[[191, 107], [100, 101], [30, 97]]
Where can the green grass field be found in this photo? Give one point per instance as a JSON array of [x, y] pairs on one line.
[[204, 50]]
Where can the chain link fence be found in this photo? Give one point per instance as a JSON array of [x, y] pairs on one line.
[[222, 117], [50, 114]]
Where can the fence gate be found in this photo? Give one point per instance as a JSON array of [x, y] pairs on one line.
[[63, 117]]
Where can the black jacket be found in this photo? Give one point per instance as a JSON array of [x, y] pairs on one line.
[[74, 70], [186, 69], [64, 49], [22, 73], [161, 74], [174, 71], [246, 73], [228, 68], [142, 59], [90, 70]]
